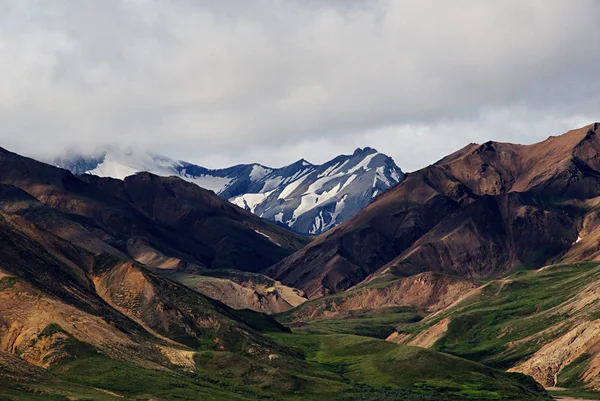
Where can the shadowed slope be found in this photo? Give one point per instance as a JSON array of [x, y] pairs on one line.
[[165, 221]]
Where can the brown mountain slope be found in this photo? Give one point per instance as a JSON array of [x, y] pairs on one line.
[[489, 236], [238, 239], [432, 291], [161, 220], [478, 212], [58, 301], [241, 290]]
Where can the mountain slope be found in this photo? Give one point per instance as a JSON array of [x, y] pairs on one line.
[[309, 199], [70, 312], [51, 288], [542, 322], [161, 222], [477, 213]]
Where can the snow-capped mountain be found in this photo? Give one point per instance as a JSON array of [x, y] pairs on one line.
[[119, 163], [307, 198], [312, 199]]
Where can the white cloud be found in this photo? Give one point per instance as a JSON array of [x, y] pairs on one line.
[[273, 81]]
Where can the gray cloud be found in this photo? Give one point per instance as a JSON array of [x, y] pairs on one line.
[[273, 81]]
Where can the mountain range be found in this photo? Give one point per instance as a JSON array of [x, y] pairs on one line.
[[102, 287], [473, 278], [308, 199]]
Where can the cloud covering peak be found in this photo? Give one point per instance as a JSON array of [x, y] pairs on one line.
[[227, 82]]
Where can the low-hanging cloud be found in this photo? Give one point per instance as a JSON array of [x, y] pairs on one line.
[[272, 81]]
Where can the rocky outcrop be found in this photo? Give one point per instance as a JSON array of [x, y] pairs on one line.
[[247, 291], [545, 365]]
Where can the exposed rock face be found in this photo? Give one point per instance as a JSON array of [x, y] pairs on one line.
[[545, 364], [429, 290], [251, 291], [476, 213]]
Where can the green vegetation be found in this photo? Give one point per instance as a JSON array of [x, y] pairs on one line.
[[371, 323], [51, 390], [51, 329], [318, 367], [570, 376], [220, 375], [343, 357], [414, 373], [7, 282], [132, 381], [512, 318], [506, 322]]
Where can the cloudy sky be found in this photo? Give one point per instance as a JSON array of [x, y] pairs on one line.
[[224, 82]]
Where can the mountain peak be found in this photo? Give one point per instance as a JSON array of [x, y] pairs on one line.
[[304, 162], [365, 150]]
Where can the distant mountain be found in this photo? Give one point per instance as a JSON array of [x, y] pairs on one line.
[[309, 199]]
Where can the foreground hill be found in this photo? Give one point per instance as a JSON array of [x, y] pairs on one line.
[[307, 198], [477, 213]]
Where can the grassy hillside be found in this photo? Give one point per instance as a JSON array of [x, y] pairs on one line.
[[378, 369], [545, 323], [343, 367], [541, 322], [378, 323]]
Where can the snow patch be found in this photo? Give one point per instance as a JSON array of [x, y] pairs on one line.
[[380, 175], [364, 163], [289, 189], [271, 183], [258, 172], [250, 201], [339, 169], [339, 206], [210, 182], [329, 170], [318, 224], [267, 236], [310, 201]]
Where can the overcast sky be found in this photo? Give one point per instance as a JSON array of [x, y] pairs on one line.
[[225, 82]]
